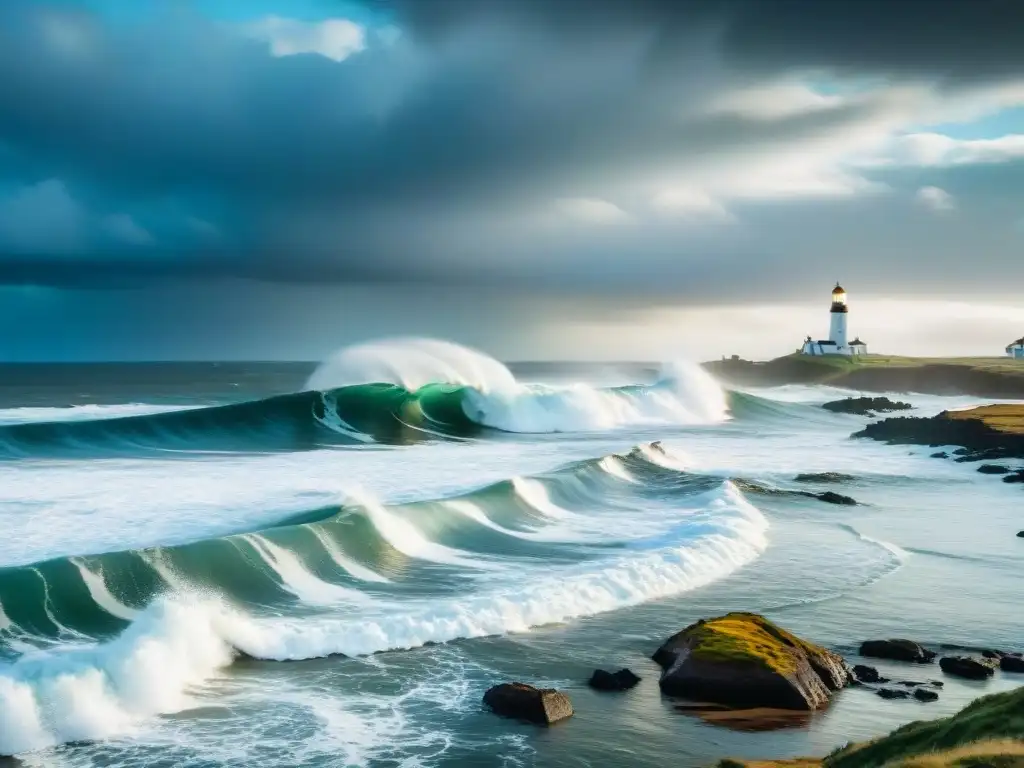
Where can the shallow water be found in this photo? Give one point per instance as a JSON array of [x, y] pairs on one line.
[[541, 537]]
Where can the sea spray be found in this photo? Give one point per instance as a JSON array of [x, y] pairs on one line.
[[95, 691]]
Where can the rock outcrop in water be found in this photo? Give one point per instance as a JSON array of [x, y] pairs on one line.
[[897, 650], [965, 666], [824, 477], [830, 497], [866, 406], [866, 674], [923, 694], [1012, 662], [744, 661], [993, 469], [543, 706], [623, 680]]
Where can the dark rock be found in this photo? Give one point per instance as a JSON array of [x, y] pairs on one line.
[[824, 477], [866, 406], [909, 683], [991, 654], [1020, 534], [936, 683], [524, 702], [1012, 663], [893, 693], [866, 674], [977, 438], [965, 666], [897, 650], [836, 498], [923, 694], [993, 469], [940, 455], [744, 661], [622, 680]]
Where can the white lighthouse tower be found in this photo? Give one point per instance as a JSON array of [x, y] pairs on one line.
[[837, 342], [838, 313]]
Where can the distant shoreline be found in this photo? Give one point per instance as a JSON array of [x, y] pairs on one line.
[[977, 377]]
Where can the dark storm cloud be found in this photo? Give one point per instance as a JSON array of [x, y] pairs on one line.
[[954, 38], [426, 160]]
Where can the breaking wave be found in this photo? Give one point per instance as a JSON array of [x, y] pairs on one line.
[[392, 392], [91, 645]]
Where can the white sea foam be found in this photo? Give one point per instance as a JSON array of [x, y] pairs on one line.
[[92, 692], [298, 580], [411, 363], [686, 394], [86, 692], [732, 535], [404, 536], [101, 595], [83, 412], [533, 493], [347, 564], [537, 408], [614, 467]]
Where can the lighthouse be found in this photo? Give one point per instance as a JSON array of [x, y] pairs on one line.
[[837, 342], [838, 313]]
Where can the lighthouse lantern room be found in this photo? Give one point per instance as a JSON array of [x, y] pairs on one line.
[[837, 342]]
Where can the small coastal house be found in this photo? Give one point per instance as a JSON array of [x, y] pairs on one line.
[[1016, 349]]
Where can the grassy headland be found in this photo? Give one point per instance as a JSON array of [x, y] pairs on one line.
[[988, 732], [996, 377]]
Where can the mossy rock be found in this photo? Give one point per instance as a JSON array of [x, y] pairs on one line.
[[744, 660]]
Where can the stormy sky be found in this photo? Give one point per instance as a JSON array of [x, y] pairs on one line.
[[597, 179]]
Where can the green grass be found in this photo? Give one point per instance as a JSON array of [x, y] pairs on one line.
[[996, 717], [988, 733]]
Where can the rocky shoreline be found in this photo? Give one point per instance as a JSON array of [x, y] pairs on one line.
[[988, 430], [986, 433], [743, 671]]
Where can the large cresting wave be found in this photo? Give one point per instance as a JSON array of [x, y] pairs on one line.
[[92, 645], [393, 392]]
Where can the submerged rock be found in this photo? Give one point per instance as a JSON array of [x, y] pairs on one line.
[[940, 455], [1014, 477], [744, 661], [893, 693], [824, 477], [829, 497], [1012, 662], [993, 469], [965, 666], [1020, 534], [923, 694], [622, 680], [866, 406], [866, 674], [543, 706], [897, 650]]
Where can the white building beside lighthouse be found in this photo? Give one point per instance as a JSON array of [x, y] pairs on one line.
[[837, 342]]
